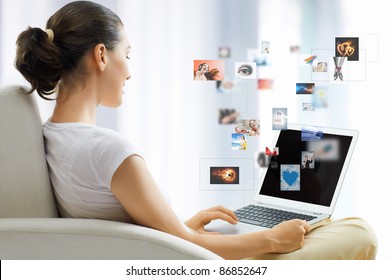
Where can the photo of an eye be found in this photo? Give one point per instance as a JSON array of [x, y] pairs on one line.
[[245, 70]]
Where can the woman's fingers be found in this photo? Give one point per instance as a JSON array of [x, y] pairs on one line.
[[306, 226], [218, 215], [223, 210]]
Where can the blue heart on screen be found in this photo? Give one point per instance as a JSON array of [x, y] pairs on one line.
[[290, 177]]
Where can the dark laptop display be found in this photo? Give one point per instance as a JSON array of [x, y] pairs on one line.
[[306, 171]]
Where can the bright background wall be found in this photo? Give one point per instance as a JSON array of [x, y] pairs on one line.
[[173, 119]]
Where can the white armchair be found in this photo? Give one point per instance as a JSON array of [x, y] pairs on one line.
[[30, 227]]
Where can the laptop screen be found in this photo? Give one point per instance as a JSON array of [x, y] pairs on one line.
[[307, 166]]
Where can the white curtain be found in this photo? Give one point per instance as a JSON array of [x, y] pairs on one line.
[[171, 117]]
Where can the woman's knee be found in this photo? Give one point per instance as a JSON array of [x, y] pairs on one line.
[[364, 236]]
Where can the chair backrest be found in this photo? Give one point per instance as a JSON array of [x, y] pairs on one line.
[[25, 188]]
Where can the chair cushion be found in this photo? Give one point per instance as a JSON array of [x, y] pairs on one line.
[[25, 189]]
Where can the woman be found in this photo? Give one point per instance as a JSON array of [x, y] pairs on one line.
[[254, 129], [96, 173], [201, 71], [306, 162], [243, 143]]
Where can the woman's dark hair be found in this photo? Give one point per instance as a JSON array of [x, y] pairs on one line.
[[77, 27], [201, 66], [213, 74]]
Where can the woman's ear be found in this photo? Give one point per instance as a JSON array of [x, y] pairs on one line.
[[100, 56]]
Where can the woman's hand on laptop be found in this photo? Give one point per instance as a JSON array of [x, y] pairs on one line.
[[204, 217], [288, 236]]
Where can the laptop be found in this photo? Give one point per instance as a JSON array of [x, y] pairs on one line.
[[302, 181]]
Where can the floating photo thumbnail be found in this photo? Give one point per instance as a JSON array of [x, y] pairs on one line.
[[265, 47], [208, 70], [307, 160], [263, 84], [272, 151], [310, 133], [263, 160], [279, 118], [261, 59], [347, 47], [320, 97], [290, 177], [245, 70], [319, 66], [325, 149], [248, 127], [307, 107], [239, 142], [304, 88], [224, 86], [224, 52], [228, 116], [224, 175]]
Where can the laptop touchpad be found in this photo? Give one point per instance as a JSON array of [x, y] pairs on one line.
[[226, 228]]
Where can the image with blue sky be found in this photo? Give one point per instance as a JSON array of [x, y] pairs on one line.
[[236, 140]]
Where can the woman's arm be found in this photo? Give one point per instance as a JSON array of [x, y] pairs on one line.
[[134, 187]]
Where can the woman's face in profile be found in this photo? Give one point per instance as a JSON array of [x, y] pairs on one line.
[[252, 124], [116, 72], [204, 69]]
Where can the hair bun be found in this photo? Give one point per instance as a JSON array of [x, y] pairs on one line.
[[38, 60]]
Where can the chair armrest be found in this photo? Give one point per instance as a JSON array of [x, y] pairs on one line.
[[77, 239]]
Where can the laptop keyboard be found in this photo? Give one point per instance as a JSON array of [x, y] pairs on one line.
[[267, 217]]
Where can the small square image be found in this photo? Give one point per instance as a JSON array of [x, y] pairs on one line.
[[263, 160], [263, 84], [310, 133], [310, 59], [347, 47], [304, 88], [265, 47], [208, 70], [319, 66], [306, 59], [322, 66], [307, 160], [320, 97], [245, 70], [224, 52], [295, 48], [248, 127], [274, 164], [227, 174], [238, 142], [290, 178], [228, 116], [224, 86], [261, 59], [272, 151], [279, 118], [307, 107], [325, 149], [340, 68], [224, 175]]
